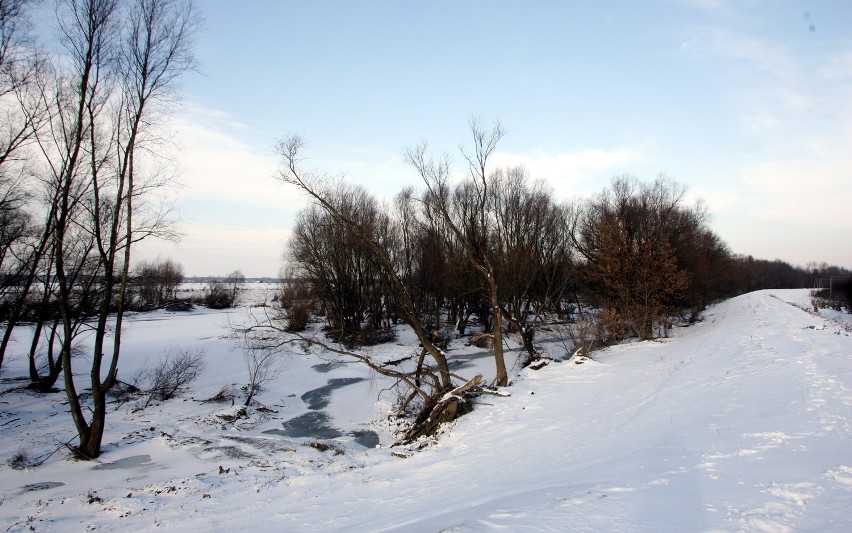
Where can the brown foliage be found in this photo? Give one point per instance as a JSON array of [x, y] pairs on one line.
[[628, 236]]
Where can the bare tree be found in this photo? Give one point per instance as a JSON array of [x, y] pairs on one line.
[[121, 71], [432, 386], [329, 197], [346, 277], [22, 70], [470, 225], [532, 252], [22, 115]]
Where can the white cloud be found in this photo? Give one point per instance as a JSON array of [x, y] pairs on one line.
[[234, 215], [812, 190], [719, 198], [216, 163], [758, 123], [568, 171], [720, 7]]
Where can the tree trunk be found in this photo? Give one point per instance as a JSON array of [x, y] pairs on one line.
[[90, 441], [502, 377]]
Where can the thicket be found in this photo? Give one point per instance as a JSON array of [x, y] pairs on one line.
[[497, 251], [844, 291], [636, 254], [223, 293], [833, 287], [632, 259], [496, 248], [155, 283]]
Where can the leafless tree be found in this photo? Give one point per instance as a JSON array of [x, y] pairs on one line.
[[23, 113], [346, 277], [467, 216], [298, 300], [431, 384], [532, 252], [122, 62], [329, 196]]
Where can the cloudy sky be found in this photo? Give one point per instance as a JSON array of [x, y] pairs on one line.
[[748, 103]]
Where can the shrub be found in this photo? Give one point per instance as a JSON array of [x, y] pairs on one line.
[[218, 296], [610, 326], [225, 394], [263, 366], [844, 294], [297, 304], [173, 375], [298, 316], [584, 335], [20, 460], [838, 298], [442, 338], [362, 335], [371, 335], [594, 330], [224, 293]]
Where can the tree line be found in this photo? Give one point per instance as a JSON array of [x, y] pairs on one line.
[[498, 249], [498, 246]]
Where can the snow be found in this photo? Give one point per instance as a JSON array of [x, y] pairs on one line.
[[738, 423]]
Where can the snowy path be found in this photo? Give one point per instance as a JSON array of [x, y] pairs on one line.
[[740, 423]]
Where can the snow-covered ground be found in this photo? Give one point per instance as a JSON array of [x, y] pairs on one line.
[[739, 423]]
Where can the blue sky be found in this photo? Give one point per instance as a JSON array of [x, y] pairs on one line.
[[747, 103]]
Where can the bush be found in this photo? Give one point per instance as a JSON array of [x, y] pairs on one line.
[[172, 375], [481, 340], [371, 336], [218, 296], [225, 394], [20, 460], [584, 335], [442, 338], [263, 366], [224, 293], [610, 326], [297, 304], [298, 317], [594, 330], [363, 335], [844, 294], [838, 298]]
